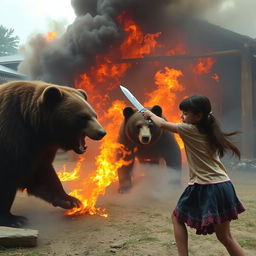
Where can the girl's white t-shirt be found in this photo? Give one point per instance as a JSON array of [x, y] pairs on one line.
[[204, 164]]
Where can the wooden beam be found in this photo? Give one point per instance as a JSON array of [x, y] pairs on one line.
[[182, 56], [247, 143]]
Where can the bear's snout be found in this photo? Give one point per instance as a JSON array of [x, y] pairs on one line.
[[145, 135], [96, 134], [145, 139], [100, 134]]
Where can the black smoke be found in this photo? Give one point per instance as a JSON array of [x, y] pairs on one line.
[[95, 30]]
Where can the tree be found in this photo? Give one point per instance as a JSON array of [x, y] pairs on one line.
[[8, 42]]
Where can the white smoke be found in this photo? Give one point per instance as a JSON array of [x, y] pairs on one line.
[[235, 15]]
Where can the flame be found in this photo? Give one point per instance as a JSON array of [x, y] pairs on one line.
[[216, 77], [204, 65], [135, 44], [50, 36], [166, 91], [101, 83], [69, 176], [107, 166]]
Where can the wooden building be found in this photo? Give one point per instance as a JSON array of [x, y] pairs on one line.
[[235, 63]]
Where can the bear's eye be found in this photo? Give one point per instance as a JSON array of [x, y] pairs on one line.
[[138, 126], [151, 126], [82, 120]]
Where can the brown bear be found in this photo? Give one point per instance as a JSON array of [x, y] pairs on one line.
[[146, 142], [37, 119]]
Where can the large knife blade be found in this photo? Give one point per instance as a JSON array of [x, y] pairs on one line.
[[133, 100]]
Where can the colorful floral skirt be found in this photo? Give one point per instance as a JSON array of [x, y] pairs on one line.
[[202, 206]]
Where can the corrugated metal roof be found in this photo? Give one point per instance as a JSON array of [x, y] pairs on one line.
[[10, 59], [6, 70]]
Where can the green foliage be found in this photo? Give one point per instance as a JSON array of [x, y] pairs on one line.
[[248, 243], [8, 42]]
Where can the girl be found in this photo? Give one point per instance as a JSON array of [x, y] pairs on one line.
[[209, 202]]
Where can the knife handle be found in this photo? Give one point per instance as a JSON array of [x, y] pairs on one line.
[[149, 121]]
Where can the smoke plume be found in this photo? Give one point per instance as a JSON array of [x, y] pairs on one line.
[[94, 31]]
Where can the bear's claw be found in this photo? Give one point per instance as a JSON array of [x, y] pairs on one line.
[[67, 203]]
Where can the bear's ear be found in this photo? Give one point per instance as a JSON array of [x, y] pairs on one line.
[[84, 94], [51, 96], [128, 112], [157, 110]]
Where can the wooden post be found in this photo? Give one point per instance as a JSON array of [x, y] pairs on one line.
[[247, 142]]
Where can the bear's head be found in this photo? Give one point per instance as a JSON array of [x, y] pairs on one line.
[[138, 130], [68, 118]]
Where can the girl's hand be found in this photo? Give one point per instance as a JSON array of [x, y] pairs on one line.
[[156, 119], [146, 114]]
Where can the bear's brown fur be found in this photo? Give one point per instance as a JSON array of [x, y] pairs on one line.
[[37, 119], [146, 142]]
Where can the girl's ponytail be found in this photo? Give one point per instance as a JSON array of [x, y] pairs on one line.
[[219, 140], [208, 124]]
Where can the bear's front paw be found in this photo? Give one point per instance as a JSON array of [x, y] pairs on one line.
[[68, 202], [9, 220]]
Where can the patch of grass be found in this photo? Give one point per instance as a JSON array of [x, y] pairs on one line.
[[169, 245], [155, 215], [166, 230], [132, 241], [139, 229], [21, 252], [148, 238], [248, 243], [107, 253], [249, 224], [191, 251]]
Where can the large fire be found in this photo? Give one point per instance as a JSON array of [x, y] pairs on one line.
[[106, 170], [166, 88]]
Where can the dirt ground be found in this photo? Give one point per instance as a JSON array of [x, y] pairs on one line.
[[139, 223]]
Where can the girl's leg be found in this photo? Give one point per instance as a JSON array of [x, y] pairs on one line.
[[224, 236], [181, 236]]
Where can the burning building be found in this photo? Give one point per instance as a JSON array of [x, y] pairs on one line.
[[158, 49]]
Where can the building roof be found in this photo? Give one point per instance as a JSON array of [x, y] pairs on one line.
[[16, 58], [8, 66], [12, 72]]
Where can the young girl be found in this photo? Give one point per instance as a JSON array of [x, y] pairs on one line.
[[209, 202]]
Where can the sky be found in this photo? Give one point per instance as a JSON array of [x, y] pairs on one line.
[[29, 17], [236, 15]]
